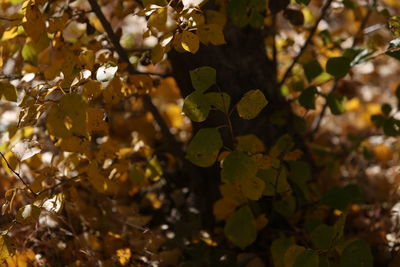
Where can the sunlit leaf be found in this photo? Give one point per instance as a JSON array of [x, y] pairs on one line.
[[251, 104], [204, 148], [196, 106]]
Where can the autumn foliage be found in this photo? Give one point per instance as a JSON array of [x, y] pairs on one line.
[[199, 133]]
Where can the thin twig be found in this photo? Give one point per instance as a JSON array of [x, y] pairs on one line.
[[175, 148], [317, 123], [60, 184], [356, 39], [9, 19], [307, 42], [17, 174]]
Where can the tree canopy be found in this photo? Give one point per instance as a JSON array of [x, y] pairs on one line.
[[199, 133]]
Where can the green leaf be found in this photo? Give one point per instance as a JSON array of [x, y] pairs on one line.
[[394, 49], [196, 106], [204, 148], [309, 258], [322, 237], [312, 70], [251, 104], [28, 214], [338, 227], [29, 53], [391, 127], [286, 206], [378, 120], [278, 250], [240, 228], [136, 176], [357, 254], [250, 144], [338, 66], [307, 97], [275, 182], [283, 145], [236, 166], [292, 253], [203, 78], [8, 92], [252, 187], [278, 5], [394, 25], [237, 14], [220, 101], [340, 197], [336, 103], [386, 109], [300, 174], [303, 2]]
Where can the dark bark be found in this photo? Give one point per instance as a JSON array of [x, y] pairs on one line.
[[241, 65]]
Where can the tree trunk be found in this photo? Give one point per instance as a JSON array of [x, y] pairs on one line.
[[241, 65]]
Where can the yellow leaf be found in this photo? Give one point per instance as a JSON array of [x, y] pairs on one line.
[[6, 247], [158, 19], [92, 89], [96, 123], [98, 181], [293, 155], [75, 107], [10, 33], [8, 92], [23, 258], [34, 25], [251, 104], [190, 42], [215, 17], [223, 208], [124, 255], [113, 93], [157, 54], [55, 122], [58, 24], [86, 59], [73, 144], [211, 33], [12, 160], [174, 115], [231, 191]]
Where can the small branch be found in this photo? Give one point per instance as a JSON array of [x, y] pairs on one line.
[[335, 83], [59, 184], [274, 48], [9, 19], [175, 148], [17, 175], [317, 123], [307, 42], [10, 76], [364, 22]]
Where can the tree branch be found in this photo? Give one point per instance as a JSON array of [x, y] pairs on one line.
[[307, 42], [17, 175], [170, 139], [356, 39]]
